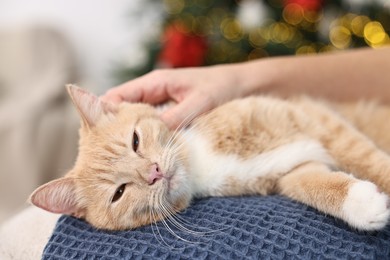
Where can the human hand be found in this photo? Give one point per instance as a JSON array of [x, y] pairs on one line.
[[195, 90]]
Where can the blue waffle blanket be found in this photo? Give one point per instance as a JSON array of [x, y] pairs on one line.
[[269, 227]]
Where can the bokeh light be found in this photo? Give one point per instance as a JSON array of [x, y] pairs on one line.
[[375, 35], [293, 14], [232, 29], [340, 37]]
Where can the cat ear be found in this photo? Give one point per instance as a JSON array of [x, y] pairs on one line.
[[89, 106], [57, 196]]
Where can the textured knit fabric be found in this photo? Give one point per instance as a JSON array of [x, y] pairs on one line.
[[271, 227]]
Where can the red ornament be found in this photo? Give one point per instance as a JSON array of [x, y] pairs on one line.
[[309, 5], [181, 48]]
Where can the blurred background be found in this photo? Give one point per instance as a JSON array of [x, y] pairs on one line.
[[45, 44]]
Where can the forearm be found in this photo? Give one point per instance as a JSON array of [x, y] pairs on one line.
[[350, 75]]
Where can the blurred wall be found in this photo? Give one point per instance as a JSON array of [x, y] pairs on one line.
[[102, 32]]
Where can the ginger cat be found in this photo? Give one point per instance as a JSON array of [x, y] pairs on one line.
[[132, 171]]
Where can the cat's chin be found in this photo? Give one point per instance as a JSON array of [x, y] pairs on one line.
[[179, 203], [170, 187], [178, 193]]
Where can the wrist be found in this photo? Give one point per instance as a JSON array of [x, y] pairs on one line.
[[256, 77]]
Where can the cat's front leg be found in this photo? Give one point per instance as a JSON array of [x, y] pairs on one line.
[[359, 203]]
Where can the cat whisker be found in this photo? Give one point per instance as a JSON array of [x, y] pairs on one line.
[[187, 139], [171, 149], [177, 155], [180, 128], [173, 138], [161, 240], [167, 216], [164, 221], [175, 149], [181, 223], [153, 224], [174, 220], [183, 124], [168, 151]]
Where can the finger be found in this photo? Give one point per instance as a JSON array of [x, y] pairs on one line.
[[183, 113], [148, 88], [109, 98], [130, 91]]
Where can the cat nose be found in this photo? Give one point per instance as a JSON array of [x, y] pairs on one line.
[[155, 174]]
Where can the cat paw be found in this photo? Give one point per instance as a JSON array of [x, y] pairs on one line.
[[366, 208]]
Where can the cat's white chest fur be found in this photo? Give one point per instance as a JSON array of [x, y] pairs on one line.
[[210, 169]]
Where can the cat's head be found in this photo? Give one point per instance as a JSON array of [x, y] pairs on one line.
[[129, 171]]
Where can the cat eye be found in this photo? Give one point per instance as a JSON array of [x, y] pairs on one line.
[[118, 193], [135, 142]]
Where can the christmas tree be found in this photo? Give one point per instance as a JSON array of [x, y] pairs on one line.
[[207, 32]]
